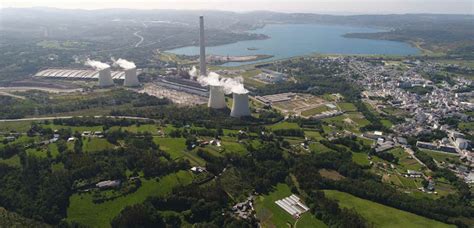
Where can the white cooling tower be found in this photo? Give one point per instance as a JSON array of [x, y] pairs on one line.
[[131, 78], [216, 97], [240, 107], [105, 78]]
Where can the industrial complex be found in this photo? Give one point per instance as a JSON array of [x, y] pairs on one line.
[[173, 86]]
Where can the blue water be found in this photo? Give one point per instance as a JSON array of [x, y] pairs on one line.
[[289, 40]]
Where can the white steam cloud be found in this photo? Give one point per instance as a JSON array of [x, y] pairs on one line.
[[97, 64], [193, 72], [230, 85], [125, 64]]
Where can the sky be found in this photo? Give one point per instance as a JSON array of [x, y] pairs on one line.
[[303, 6]]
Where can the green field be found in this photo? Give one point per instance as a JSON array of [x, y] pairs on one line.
[[12, 161], [381, 215], [404, 160], [316, 110], [271, 215], [151, 128], [466, 126], [16, 126], [440, 156], [96, 144], [317, 147], [83, 210], [347, 107], [79, 129], [176, 147], [360, 158], [284, 125]]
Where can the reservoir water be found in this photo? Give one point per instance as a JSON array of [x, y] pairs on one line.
[[289, 40]]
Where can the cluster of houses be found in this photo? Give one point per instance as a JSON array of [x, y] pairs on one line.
[[244, 209]]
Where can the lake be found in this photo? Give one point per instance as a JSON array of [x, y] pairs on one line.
[[289, 40]]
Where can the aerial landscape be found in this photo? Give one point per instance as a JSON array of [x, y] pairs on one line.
[[237, 114]]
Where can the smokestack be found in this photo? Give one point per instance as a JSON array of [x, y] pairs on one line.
[[131, 79], [216, 97], [202, 46], [240, 107], [105, 78]]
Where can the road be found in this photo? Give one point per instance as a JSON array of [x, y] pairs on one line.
[[141, 38], [46, 89], [69, 117]]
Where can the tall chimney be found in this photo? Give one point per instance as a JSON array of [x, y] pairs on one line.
[[202, 47]]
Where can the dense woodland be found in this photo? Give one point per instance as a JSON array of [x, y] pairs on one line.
[[36, 191]]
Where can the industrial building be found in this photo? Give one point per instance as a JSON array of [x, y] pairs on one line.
[[240, 107], [83, 74], [185, 85], [269, 99], [293, 205]]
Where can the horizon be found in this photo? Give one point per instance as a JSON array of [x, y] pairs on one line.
[[337, 7]]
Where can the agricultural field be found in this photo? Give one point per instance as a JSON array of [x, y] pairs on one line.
[[15, 126], [440, 156], [271, 215], [151, 128], [176, 147], [83, 210], [284, 125], [95, 144], [381, 215], [360, 158], [347, 107], [314, 111], [405, 160]]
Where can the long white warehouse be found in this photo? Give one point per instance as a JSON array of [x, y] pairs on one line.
[[77, 74]]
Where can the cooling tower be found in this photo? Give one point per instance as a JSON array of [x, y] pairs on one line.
[[216, 97], [105, 78], [202, 47], [240, 107], [131, 79]]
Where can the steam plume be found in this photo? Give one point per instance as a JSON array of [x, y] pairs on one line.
[[97, 64], [230, 85], [193, 72], [125, 64]]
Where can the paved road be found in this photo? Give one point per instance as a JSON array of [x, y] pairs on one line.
[[47, 89], [69, 117], [141, 38]]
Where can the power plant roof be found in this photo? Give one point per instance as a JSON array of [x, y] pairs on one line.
[[76, 74]]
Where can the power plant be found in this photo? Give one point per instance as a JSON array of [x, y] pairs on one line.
[[216, 92], [240, 107], [216, 97], [131, 79], [105, 77]]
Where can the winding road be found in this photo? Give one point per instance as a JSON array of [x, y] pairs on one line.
[[141, 38]]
